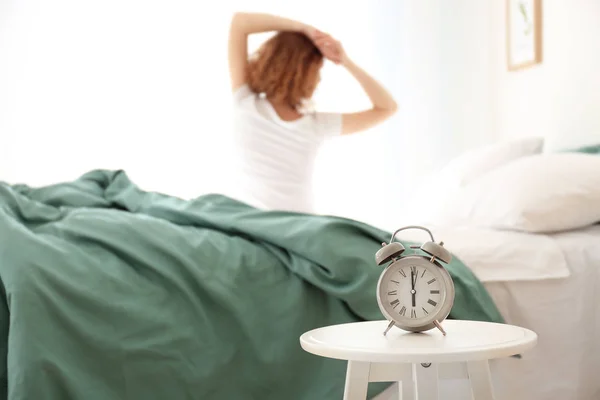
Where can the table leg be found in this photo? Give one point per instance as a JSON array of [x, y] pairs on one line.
[[426, 381], [407, 389], [481, 380], [357, 380]]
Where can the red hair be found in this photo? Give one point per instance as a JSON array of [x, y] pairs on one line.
[[286, 68]]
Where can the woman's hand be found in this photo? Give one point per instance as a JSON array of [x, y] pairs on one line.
[[244, 24], [332, 49]]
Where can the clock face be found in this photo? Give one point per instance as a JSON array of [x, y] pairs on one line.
[[414, 292]]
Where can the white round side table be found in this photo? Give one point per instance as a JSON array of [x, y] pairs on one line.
[[418, 360]]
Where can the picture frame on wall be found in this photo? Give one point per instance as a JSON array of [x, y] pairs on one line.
[[524, 33]]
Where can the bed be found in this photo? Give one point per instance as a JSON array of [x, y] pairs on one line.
[[534, 242], [109, 291], [559, 302]]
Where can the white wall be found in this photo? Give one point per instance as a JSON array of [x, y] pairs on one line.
[[559, 98], [447, 102], [135, 85], [467, 68]]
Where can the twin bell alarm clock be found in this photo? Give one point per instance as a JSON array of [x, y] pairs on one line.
[[415, 292]]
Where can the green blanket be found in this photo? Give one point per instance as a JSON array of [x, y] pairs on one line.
[[110, 292]]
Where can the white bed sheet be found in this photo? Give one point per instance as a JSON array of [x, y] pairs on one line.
[[565, 313], [502, 256]]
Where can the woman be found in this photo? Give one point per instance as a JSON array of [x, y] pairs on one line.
[[277, 137]]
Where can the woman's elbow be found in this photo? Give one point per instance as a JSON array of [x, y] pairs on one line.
[[238, 19], [389, 109]]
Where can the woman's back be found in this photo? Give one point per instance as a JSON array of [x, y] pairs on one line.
[[275, 157]]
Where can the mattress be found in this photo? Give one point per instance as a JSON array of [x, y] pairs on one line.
[[562, 310]]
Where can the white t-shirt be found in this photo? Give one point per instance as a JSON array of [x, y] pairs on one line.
[[275, 158]]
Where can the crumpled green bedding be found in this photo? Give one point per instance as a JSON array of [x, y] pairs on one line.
[[111, 292]]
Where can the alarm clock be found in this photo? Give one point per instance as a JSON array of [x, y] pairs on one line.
[[415, 292]]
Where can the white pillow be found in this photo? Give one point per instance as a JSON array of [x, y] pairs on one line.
[[539, 194], [423, 206], [474, 163]]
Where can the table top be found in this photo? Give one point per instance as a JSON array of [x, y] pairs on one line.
[[464, 341]]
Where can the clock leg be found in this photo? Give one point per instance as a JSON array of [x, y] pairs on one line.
[[439, 326], [392, 323]]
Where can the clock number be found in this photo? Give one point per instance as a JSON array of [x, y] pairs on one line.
[[423, 274], [395, 303], [402, 273], [433, 303], [392, 293], [402, 311], [413, 314], [434, 291], [431, 281], [413, 269], [396, 282], [425, 311]]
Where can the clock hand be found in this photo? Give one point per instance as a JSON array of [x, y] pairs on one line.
[[413, 280]]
